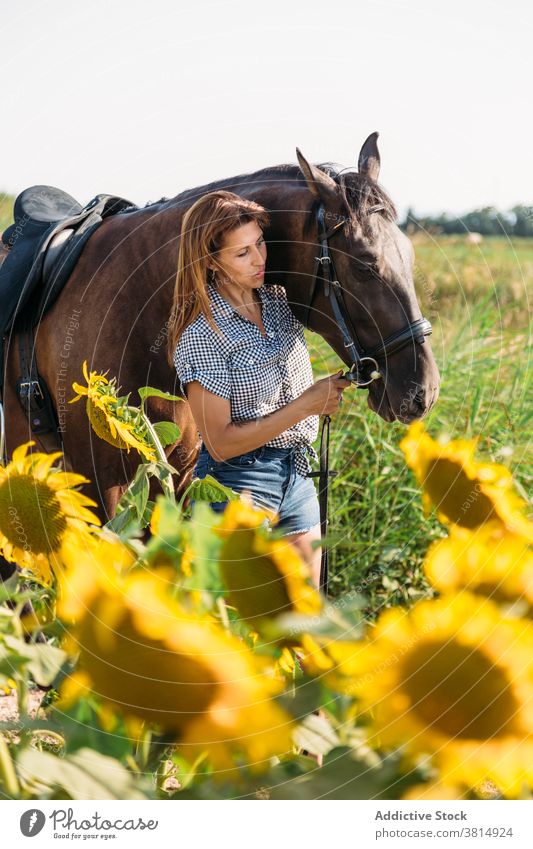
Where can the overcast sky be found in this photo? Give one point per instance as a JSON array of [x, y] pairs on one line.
[[145, 98]]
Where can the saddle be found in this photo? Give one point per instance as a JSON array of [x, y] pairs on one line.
[[44, 243]]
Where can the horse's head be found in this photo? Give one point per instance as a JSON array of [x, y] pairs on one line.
[[373, 262]]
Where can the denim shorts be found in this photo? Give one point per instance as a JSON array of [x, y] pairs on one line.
[[270, 476]]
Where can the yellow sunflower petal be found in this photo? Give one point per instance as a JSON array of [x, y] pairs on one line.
[[19, 453], [263, 577], [43, 463], [451, 678], [465, 492], [35, 517], [152, 660], [66, 480]]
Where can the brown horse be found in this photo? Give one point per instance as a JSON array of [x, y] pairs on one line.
[[113, 311]]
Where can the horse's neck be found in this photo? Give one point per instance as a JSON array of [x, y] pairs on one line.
[[274, 188]]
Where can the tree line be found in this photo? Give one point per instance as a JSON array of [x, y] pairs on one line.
[[488, 221]]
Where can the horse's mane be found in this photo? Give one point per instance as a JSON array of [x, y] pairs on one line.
[[359, 192]]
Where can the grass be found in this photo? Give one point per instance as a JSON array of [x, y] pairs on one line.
[[6, 211], [477, 299]]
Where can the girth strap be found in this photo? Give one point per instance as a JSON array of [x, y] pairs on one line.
[[34, 396]]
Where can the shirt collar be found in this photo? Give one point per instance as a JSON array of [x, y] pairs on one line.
[[223, 307]]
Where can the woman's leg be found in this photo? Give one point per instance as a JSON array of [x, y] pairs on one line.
[[311, 556]]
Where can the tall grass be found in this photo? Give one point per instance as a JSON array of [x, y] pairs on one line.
[[477, 298]]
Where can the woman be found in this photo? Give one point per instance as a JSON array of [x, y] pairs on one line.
[[243, 364]]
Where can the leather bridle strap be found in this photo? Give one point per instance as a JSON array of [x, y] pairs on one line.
[[415, 331], [361, 359]]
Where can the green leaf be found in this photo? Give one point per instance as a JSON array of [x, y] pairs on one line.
[[86, 774], [209, 489], [342, 620], [124, 522], [160, 470], [303, 699], [147, 515], [170, 519], [206, 549], [139, 491], [168, 432], [150, 392], [343, 776], [42, 661]]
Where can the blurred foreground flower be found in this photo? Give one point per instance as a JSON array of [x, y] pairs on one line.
[[452, 679], [263, 577], [465, 492], [39, 510], [153, 660], [490, 561], [110, 416]]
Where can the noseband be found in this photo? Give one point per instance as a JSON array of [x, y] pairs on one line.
[[365, 362]]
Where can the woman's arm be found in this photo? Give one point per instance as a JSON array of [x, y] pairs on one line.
[[224, 438]]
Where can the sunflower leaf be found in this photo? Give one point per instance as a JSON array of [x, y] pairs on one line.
[[139, 490], [42, 661], [169, 521], [150, 392], [342, 776], [86, 774], [304, 699], [124, 521], [209, 489], [168, 432]]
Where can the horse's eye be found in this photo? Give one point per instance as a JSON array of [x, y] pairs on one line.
[[368, 261]]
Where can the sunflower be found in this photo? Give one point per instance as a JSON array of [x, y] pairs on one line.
[[39, 510], [109, 415], [465, 492], [152, 660], [434, 791], [453, 679], [263, 577], [490, 561]]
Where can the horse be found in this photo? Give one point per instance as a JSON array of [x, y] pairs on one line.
[[121, 288]]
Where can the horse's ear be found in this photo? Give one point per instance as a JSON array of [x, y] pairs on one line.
[[369, 161], [318, 183]]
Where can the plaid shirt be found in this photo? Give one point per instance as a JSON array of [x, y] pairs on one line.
[[257, 374]]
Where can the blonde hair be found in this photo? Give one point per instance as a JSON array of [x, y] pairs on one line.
[[204, 227]]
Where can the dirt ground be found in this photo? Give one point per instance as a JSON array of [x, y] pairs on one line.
[[8, 704]]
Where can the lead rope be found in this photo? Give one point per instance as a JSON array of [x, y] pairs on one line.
[[323, 486]]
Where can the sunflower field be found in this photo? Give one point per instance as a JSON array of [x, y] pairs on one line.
[[177, 653]]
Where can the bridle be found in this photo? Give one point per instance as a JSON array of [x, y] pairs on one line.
[[365, 366], [365, 362]]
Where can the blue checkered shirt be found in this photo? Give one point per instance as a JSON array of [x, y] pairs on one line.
[[257, 374]]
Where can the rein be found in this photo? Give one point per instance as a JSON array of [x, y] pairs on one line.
[[365, 366]]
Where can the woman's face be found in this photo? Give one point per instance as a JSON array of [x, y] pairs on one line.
[[243, 256]]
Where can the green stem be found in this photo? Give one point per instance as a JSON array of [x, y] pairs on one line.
[[167, 482], [8, 775], [22, 696]]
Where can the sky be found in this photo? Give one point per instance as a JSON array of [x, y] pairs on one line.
[[145, 99]]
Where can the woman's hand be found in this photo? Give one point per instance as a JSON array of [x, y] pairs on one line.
[[225, 439], [325, 396]]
